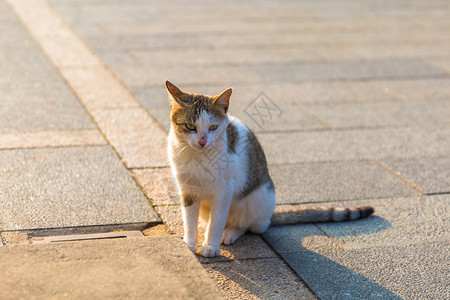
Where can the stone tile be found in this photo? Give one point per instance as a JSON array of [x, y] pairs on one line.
[[327, 92], [258, 279], [34, 97], [298, 147], [399, 272], [107, 268], [13, 36], [336, 51], [218, 57], [106, 12], [43, 115], [162, 115], [265, 117], [137, 137], [158, 185], [414, 51], [67, 51], [117, 58], [431, 89], [397, 221], [435, 114], [441, 64], [294, 238], [99, 89], [103, 45], [171, 216], [344, 258], [298, 72], [378, 51], [226, 75], [430, 174], [335, 181], [27, 64], [82, 186], [43, 139], [114, 28]]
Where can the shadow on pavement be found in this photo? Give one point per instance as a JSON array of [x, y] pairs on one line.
[[328, 279]]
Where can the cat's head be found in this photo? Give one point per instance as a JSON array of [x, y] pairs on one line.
[[198, 120]]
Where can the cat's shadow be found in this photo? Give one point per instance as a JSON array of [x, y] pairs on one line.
[[251, 258]]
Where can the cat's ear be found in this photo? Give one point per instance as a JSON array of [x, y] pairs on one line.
[[175, 94], [223, 100]]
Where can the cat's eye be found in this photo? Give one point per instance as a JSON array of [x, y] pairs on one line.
[[213, 127], [190, 126]]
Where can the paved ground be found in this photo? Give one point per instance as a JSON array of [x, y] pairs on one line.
[[350, 99]]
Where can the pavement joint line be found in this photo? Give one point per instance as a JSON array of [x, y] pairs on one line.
[[41, 20], [399, 176]]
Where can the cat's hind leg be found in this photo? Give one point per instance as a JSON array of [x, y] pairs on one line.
[[231, 234]]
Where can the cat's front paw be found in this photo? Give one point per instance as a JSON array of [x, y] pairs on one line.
[[210, 251]]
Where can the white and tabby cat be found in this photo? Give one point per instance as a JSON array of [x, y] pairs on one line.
[[222, 175]]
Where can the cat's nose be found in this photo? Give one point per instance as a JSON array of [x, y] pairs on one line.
[[202, 142]]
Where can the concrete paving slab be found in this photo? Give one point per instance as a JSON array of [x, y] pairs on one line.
[[28, 104], [218, 57], [158, 184], [399, 272], [227, 75], [258, 279], [151, 267], [397, 221], [13, 36], [383, 114], [300, 72], [442, 63], [42, 139], [104, 44], [43, 114], [171, 216], [26, 64], [82, 186], [137, 137], [335, 181], [99, 89], [125, 134], [430, 174], [406, 238], [431, 89], [296, 238], [354, 144]]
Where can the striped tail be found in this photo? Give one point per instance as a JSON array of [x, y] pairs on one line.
[[290, 214]]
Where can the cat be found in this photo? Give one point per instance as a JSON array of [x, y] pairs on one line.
[[222, 175]]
